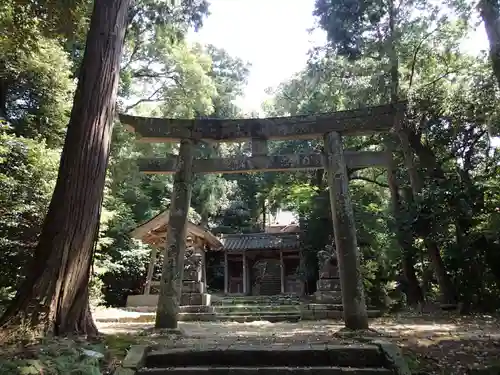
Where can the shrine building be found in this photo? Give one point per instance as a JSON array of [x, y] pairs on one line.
[[253, 264]]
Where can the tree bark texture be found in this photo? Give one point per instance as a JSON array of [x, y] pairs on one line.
[[404, 237], [54, 295], [428, 160], [173, 265], [415, 178], [351, 279], [490, 13]]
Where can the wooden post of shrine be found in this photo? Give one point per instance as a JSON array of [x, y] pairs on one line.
[[151, 268], [173, 264], [245, 274], [204, 271], [282, 272], [353, 298], [226, 273]]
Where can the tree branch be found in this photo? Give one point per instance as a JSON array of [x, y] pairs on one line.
[[366, 179], [145, 100]]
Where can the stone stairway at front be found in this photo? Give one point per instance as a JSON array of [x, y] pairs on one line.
[[275, 308], [246, 309], [273, 359]]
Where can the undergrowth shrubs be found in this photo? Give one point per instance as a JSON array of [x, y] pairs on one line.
[[65, 356]]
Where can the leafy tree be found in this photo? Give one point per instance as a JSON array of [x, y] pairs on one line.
[[54, 295], [27, 171]]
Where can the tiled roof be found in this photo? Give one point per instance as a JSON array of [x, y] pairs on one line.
[[260, 241]]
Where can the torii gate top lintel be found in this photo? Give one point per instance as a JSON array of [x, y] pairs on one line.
[[335, 161], [352, 122]]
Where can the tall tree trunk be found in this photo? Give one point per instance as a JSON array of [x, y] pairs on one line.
[[413, 291], [54, 296], [404, 237], [490, 13], [416, 182], [3, 94]]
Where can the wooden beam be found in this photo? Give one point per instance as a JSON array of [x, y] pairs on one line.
[[354, 160], [151, 268], [354, 122]]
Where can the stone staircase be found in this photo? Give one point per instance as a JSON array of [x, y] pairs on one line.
[[270, 285], [290, 359], [276, 308], [320, 311]]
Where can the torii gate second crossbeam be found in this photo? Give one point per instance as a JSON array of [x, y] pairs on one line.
[[330, 126]]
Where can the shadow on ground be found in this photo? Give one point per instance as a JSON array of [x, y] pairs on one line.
[[434, 344]]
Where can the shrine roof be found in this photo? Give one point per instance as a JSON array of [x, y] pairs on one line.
[[260, 241], [154, 232]]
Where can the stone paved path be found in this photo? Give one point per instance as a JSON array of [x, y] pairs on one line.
[[433, 342], [227, 333]]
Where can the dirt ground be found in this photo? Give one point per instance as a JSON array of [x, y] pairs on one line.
[[433, 344]]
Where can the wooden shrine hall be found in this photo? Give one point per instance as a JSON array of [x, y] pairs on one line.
[[261, 263], [154, 233]]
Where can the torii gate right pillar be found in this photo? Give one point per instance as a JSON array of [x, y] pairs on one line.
[[351, 281]]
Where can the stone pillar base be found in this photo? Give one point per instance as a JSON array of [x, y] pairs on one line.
[[328, 297], [198, 299], [192, 286], [328, 284], [328, 291]]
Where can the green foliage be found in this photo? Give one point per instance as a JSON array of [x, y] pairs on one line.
[[28, 170], [53, 358], [453, 108], [66, 356]]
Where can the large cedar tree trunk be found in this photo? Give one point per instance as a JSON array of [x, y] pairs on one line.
[[446, 287], [490, 13], [54, 295]]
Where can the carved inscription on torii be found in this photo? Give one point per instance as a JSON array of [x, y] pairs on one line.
[[354, 160]]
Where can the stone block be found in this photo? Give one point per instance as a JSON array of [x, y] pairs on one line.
[[198, 309], [329, 273], [124, 371], [135, 357], [394, 357], [191, 286], [191, 275], [328, 297], [332, 314], [328, 284], [325, 306], [196, 317], [319, 315], [195, 299]]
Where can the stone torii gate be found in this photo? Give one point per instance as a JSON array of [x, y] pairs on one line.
[[330, 126]]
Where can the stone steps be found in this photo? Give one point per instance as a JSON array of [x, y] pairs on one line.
[[277, 308], [321, 314], [256, 308], [254, 318], [257, 300], [358, 359], [361, 355], [317, 370]]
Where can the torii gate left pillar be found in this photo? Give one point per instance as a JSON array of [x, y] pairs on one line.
[[173, 264]]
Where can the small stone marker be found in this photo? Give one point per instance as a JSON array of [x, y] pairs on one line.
[[124, 371], [394, 356], [135, 357]]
